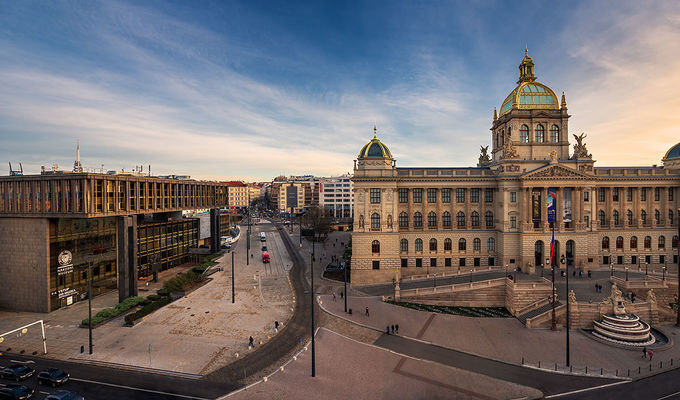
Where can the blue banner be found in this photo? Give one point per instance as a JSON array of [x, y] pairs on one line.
[[552, 204]]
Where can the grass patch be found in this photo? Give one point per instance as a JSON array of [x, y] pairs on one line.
[[479, 312], [181, 281], [110, 313]]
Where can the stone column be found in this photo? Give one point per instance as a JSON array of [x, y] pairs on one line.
[[127, 257]]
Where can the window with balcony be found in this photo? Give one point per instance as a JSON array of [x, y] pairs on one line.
[[460, 219], [403, 220], [657, 217], [488, 219], [603, 218], [446, 219], [629, 217], [403, 245], [615, 217], [375, 221], [643, 216], [474, 219], [431, 219]]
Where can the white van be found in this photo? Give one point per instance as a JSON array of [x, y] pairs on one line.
[[263, 238]]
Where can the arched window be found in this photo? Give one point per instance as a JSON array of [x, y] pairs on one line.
[[603, 218], [447, 244], [432, 219], [633, 242], [433, 244], [674, 243], [474, 218], [619, 242], [446, 219], [643, 216], [670, 216], [629, 216], [657, 217], [491, 244], [476, 244], [419, 245], [616, 217], [403, 220], [460, 219], [461, 244], [375, 221], [403, 245], [648, 242], [554, 134], [375, 246], [605, 242], [418, 220], [488, 219], [662, 242], [524, 134], [540, 133]]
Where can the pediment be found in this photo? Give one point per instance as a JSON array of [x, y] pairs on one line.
[[555, 171]]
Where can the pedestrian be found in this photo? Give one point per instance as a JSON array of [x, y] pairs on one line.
[[596, 288], [392, 329], [387, 330], [573, 274], [644, 352], [276, 325], [341, 294], [651, 354], [580, 274], [250, 342], [367, 312], [589, 275], [590, 301], [396, 328], [333, 296]]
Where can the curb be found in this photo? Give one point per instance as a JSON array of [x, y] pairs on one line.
[[136, 368]]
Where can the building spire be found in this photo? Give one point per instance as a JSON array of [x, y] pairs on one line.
[[564, 101], [526, 68], [77, 166], [495, 115], [375, 131]]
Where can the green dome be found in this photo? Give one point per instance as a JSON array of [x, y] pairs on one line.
[[673, 153], [375, 148], [529, 94]]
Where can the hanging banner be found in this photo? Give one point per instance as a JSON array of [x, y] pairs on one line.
[[566, 214], [552, 204], [536, 207]]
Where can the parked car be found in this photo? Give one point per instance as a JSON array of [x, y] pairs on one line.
[[226, 246], [64, 395], [14, 391], [18, 372], [53, 376]]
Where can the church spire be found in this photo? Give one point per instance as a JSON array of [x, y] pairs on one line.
[[77, 166]]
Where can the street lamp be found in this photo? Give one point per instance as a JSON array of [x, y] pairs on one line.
[[677, 321], [311, 271], [645, 268], [345, 293], [470, 275], [552, 267], [646, 265], [626, 274], [541, 270], [563, 261], [664, 274], [611, 269]]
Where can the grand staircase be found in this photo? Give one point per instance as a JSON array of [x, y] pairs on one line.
[[537, 311]]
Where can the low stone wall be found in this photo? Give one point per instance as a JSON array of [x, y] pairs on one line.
[[518, 295], [492, 296], [544, 321]]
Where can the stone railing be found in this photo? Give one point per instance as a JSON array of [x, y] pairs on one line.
[[458, 272], [458, 287], [533, 306], [545, 320], [649, 283]]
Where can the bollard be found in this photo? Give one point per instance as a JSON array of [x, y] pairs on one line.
[[639, 369], [539, 364], [617, 372], [601, 371], [571, 368], [82, 349], [555, 366], [586, 370], [522, 360], [660, 364], [628, 371], [650, 367]]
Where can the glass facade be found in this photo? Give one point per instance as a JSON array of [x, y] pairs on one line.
[[170, 240]]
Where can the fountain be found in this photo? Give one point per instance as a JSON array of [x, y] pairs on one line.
[[621, 327]]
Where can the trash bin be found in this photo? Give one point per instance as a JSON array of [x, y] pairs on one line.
[[349, 311]]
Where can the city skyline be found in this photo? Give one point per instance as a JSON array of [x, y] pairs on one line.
[[254, 91]]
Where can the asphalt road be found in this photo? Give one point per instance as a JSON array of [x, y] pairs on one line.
[[664, 386], [104, 383]]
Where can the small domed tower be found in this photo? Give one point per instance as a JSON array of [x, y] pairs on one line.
[[374, 159], [672, 158]]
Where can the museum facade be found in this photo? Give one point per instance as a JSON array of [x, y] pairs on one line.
[[412, 221]]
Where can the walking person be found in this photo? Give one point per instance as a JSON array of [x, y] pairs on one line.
[[651, 354], [387, 330], [589, 275], [644, 352], [367, 312], [250, 342], [392, 329], [333, 296], [341, 294], [396, 328]]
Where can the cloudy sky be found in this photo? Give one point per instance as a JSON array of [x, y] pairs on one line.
[[250, 90]]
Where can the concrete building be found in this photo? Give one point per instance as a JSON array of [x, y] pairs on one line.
[[291, 198], [239, 195], [53, 225], [417, 219], [336, 194]]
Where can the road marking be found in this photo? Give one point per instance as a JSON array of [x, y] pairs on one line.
[[138, 389], [554, 396], [44, 392], [669, 396]]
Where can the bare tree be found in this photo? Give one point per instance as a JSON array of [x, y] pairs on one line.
[[317, 220]]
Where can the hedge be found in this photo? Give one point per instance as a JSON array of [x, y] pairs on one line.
[[179, 282], [110, 313], [147, 309]]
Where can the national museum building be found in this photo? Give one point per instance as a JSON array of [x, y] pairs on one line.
[[53, 225], [412, 221]]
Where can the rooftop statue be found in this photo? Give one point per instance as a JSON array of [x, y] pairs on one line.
[[484, 158], [580, 150]]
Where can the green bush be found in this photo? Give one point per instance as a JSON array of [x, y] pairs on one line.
[[163, 292], [153, 297], [109, 313], [179, 282], [147, 309]]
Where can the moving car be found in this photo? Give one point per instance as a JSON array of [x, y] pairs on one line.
[[263, 238], [53, 376], [264, 248], [14, 391], [64, 395], [265, 257], [17, 372]]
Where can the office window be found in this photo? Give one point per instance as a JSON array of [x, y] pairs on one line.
[[488, 195], [431, 195], [403, 195], [513, 222], [513, 197], [460, 195], [417, 195], [417, 220], [419, 244], [446, 195], [474, 195], [375, 196]]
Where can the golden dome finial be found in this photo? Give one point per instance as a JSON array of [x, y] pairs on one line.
[[526, 49], [375, 131]]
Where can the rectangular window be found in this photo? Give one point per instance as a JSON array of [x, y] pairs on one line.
[[587, 221], [477, 262], [417, 195], [670, 194], [474, 195], [513, 197], [586, 196], [648, 259], [605, 260], [433, 262], [460, 195], [461, 262], [643, 194], [376, 264], [619, 260], [615, 194], [633, 260], [513, 222], [375, 196], [431, 195], [404, 262], [492, 261], [629, 194], [446, 195], [662, 259], [447, 262], [657, 194], [600, 195], [419, 262], [488, 195], [403, 195]]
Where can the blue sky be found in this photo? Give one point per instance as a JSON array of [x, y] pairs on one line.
[[250, 90]]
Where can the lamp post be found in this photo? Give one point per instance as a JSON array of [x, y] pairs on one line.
[[470, 275], [89, 303], [611, 269], [645, 269], [311, 272], [562, 260], [626, 274], [553, 325], [664, 274], [541, 270], [677, 321], [232, 277], [646, 265], [506, 270], [345, 292]]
